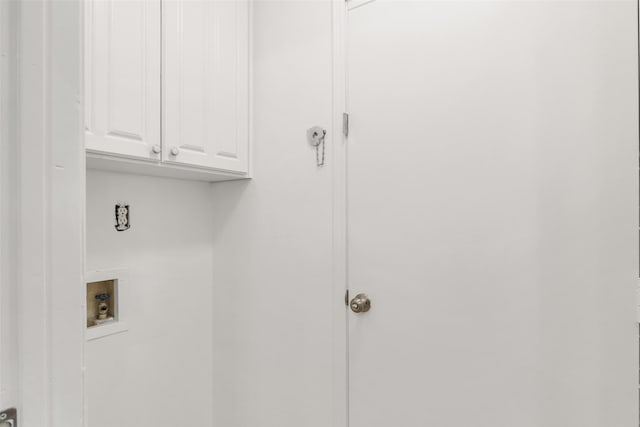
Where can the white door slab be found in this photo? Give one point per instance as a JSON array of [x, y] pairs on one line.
[[493, 213]]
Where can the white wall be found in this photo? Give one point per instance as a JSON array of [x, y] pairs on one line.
[[266, 322], [272, 236], [159, 372]]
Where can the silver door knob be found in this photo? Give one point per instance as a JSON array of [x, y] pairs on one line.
[[156, 149], [175, 151], [360, 304]]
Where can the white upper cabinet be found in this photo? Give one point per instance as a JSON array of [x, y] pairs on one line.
[[167, 82], [206, 83], [122, 77]]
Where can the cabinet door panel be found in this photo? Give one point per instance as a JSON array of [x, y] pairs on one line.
[[123, 77], [206, 82]]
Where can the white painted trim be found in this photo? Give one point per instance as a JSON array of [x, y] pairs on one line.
[[638, 300], [50, 204], [106, 330], [8, 235], [84, 407], [116, 164], [354, 4], [33, 298], [4, 285], [340, 415], [250, 167]]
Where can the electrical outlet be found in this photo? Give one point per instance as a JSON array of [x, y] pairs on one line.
[[123, 221]]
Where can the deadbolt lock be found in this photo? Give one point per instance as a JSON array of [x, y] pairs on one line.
[[360, 304]]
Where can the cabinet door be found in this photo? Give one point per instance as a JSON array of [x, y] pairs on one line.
[[206, 83], [122, 77]]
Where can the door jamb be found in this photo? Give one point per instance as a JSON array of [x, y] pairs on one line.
[[50, 203], [8, 181], [340, 416]]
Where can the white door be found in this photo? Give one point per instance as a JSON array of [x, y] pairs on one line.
[[206, 83], [493, 213], [122, 78]]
